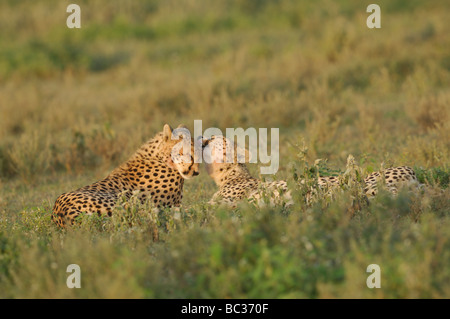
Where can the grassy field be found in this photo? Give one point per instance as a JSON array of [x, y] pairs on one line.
[[75, 103]]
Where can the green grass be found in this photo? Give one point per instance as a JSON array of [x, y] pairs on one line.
[[76, 103]]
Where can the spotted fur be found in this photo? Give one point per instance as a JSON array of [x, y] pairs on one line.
[[394, 178], [151, 173], [234, 179], [236, 183]]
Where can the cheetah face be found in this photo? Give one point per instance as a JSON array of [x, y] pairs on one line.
[[179, 151], [220, 154]]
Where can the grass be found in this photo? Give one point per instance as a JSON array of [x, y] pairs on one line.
[[76, 103]]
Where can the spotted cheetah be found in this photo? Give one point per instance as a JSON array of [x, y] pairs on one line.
[[154, 172], [236, 183], [394, 177], [234, 179]]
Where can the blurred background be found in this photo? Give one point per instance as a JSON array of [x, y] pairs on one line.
[[73, 99]]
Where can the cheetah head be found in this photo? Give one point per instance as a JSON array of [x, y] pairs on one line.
[[221, 154], [178, 151]]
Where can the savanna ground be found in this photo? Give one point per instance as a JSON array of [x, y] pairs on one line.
[[75, 103]]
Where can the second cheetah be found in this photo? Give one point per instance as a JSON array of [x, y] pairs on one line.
[[236, 183]]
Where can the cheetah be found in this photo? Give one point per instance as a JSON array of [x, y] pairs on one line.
[[155, 172], [236, 183], [394, 178], [234, 179]]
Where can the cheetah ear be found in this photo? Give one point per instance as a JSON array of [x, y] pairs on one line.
[[242, 155], [182, 126], [167, 132]]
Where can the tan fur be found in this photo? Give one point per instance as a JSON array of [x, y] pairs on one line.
[[394, 178], [236, 183], [150, 171]]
